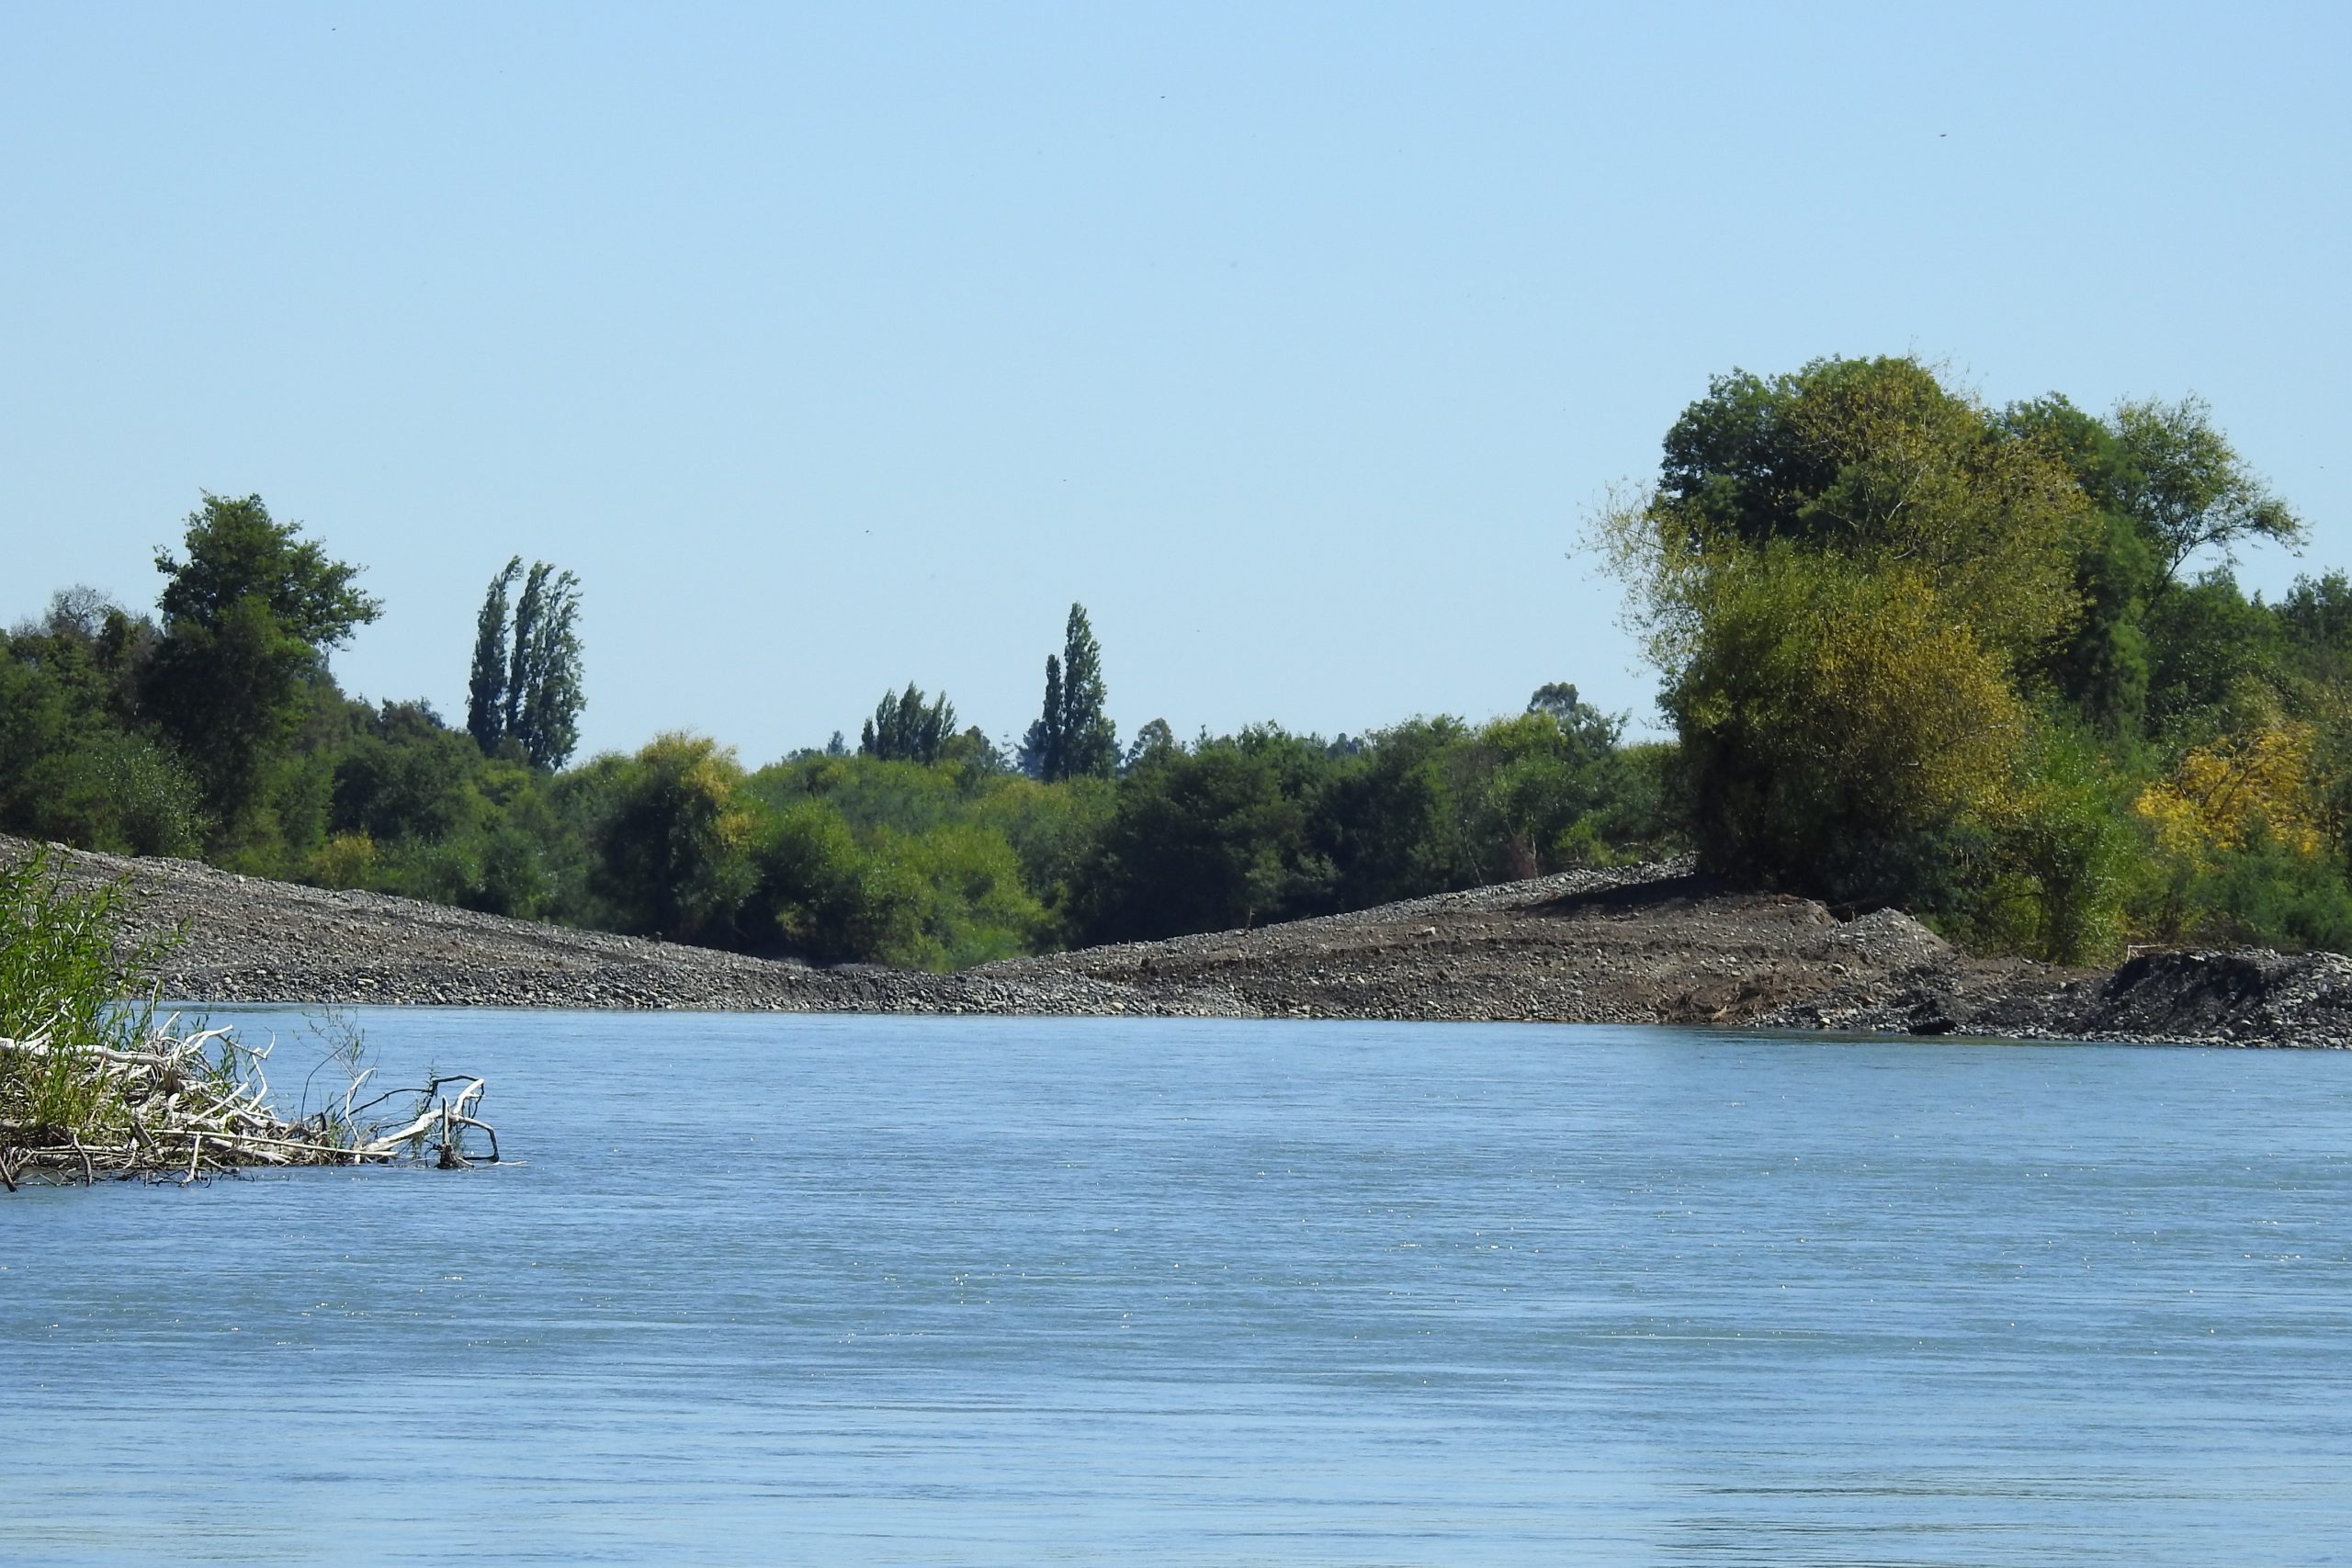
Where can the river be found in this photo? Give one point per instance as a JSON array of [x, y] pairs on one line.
[[773, 1288]]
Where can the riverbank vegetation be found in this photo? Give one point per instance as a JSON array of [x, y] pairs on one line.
[[91, 1083], [923, 844], [1992, 665], [1987, 664]]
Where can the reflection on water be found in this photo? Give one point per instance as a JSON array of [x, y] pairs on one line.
[[1000, 1291]]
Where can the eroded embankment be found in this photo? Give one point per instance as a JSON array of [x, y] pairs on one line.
[[1643, 944]]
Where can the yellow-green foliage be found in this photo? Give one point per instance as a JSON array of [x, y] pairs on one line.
[[1827, 701], [1925, 486], [937, 867], [346, 859], [1841, 577], [2047, 874], [2244, 838], [943, 899], [676, 846], [1901, 697], [1052, 827], [1871, 462], [2222, 797]]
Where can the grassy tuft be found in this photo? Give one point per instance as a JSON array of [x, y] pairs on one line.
[[65, 982]]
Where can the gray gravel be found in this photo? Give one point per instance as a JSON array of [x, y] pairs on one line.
[[1641, 944], [249, 940]]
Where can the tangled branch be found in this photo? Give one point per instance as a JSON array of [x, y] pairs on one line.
[[185, 1104]]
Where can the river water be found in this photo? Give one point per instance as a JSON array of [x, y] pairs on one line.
[[931, 1290]]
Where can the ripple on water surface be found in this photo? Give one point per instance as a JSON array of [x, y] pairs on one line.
[[1001, 1291]]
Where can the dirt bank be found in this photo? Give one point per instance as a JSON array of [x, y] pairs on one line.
[[1646, 944]]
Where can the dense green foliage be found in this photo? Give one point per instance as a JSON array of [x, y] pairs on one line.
[[1267, 826], [1987, 664], [1922, 651], [1073, 737], [926, 846], [248, 620], [525, 689], [905, 728]]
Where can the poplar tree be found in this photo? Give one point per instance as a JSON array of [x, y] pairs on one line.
[[526, 685], [1042, 749], [1073, 737], [529, 610], [1090, 740], [486, 692], [550, 724]]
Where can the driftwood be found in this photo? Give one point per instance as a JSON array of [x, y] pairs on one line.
[[187, 1104]]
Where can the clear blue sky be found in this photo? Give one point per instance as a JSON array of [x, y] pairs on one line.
[[835, 347]]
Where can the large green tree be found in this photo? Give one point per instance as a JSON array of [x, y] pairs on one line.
[[72, 768], [250, 615], [2168, 488], [2189, 489], [673, 846], [1844, 572], [1203, 839], [1875, 462]]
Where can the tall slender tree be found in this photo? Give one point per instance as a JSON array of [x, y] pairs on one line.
[[1073, 737], [550, 727], [529, 609], [1090, 740], [526, 684], [1042, 749], [486, 691]]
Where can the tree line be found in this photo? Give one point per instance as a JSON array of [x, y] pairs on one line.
[[1987, 664], [216, 728]]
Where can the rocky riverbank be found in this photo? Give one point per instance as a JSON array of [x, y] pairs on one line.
[[1647, 944]]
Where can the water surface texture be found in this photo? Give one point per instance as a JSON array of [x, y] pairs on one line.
[[933, 1290]]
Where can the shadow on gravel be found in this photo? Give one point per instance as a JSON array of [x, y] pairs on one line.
[[1633, 898]]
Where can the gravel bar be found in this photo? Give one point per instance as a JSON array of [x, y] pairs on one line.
[[1653, 943]]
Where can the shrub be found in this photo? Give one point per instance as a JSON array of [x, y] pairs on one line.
[[2047, 876], [347, 860], [674, 851], [114, 792]]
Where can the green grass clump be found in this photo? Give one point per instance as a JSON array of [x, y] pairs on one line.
[[69, 988]]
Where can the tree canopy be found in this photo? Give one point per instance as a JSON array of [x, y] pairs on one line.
[[249, 616], [907, 728], [237, 555], [1915, 648]]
